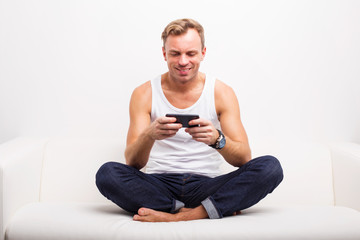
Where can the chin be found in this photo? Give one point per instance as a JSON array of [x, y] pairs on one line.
[[185, 78], [188, 76]]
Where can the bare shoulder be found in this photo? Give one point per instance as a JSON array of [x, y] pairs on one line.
[[224, 96], [222, 88], [141, 96], [143, 90]]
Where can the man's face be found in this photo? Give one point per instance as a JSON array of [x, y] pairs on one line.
[[183, 54]]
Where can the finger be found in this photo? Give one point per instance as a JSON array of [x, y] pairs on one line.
[[200, 135], [165, 120], [168, 132], [203, 137], [168, 123], [196, 122], [200, 132], [201, 122], [170, 126]]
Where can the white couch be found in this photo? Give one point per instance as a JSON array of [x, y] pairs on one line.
[[48, 192]]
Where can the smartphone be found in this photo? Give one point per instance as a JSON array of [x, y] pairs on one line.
[[184, 119]]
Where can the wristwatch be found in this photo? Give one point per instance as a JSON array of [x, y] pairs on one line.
[[220, 141]]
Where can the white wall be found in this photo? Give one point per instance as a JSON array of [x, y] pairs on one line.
[[68, 67]]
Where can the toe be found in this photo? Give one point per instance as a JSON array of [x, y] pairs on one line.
[[143, 211]]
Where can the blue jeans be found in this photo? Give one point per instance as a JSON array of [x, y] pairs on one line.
[[221, 196]]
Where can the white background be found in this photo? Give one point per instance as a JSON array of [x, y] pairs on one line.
[[68, 67]]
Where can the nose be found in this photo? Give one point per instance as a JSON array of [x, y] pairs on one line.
[[183, 61]]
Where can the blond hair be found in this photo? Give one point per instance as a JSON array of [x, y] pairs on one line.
[[181, 26]]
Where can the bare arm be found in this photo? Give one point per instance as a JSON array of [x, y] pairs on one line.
[[236, 151], [142, 133]]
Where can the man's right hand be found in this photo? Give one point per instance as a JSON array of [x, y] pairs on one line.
[[163, 127]]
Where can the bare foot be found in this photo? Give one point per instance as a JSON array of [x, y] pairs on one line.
[[184, 209], [150, 215], [236, 213]]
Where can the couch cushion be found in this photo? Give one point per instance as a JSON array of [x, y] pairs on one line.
[[88, 221]]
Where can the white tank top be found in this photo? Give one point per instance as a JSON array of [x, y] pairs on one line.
[[180, 153]]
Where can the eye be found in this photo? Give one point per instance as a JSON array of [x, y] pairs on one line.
[[191, 54], [174, 54]]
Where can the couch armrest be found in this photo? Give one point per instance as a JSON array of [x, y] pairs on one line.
[[20, 175], [346, 174]]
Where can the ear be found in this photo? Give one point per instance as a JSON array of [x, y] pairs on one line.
[[164, 53], [203, 53]]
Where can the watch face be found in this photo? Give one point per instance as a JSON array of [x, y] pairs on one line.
[[222, 143]]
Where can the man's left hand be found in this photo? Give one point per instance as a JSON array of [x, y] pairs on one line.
[[206, 132]]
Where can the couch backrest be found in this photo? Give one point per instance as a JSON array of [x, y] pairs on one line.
[[307, 170], [70, 165]]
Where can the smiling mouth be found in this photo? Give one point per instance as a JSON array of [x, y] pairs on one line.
[[183, 70]]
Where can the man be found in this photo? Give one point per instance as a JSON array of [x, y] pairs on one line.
[[182, 179]]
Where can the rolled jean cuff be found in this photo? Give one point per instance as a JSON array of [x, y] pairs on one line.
[[211, 209], [177, 205]]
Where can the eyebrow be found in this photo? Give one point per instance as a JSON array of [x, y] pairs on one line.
[[190, 51]]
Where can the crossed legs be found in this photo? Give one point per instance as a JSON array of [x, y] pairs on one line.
[[181, 197]]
